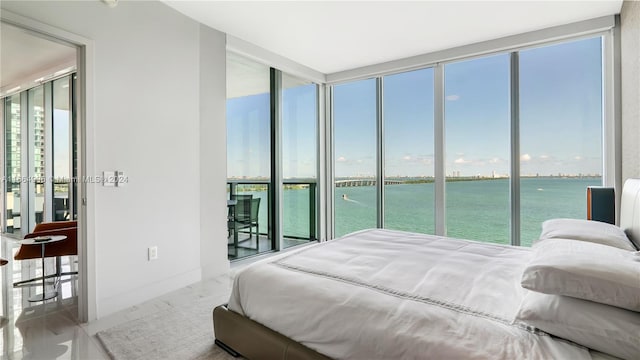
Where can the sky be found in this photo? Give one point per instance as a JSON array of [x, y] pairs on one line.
[[560, 120], [248, 139]]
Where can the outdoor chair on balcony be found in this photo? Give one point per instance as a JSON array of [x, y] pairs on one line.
[[66, 247], [246, 217], [232, 212]]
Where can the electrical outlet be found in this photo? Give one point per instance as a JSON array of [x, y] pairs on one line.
[[153, 253]]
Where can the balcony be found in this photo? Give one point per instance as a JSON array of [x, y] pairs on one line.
[[298, 216]]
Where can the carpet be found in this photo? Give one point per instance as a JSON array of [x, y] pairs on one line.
[[184, 332]]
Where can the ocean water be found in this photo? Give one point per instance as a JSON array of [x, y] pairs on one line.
[[477, 209]]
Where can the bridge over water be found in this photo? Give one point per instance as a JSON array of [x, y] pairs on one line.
[[364, 182]]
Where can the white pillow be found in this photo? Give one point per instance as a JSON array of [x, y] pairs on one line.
[[600, 327], [585, 270], [586, 230]]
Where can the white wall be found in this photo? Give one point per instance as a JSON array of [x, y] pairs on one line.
[[630, 68], [149, 123], [213, 150]]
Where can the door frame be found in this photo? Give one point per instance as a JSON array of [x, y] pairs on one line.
[[87, 305]]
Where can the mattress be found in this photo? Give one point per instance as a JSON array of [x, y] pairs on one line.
[[383, 294]]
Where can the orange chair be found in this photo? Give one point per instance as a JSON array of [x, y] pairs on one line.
[[66, 247]]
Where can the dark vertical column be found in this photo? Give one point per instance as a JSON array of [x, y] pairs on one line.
[[514, 184], [275, 186], [380, 152]]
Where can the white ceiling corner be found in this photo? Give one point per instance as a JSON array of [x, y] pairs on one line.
[[333, 36], [24, 57]]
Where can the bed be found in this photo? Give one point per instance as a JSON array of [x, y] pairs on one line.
[[383, 294]]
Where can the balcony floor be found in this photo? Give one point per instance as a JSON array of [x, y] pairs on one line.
[[247, 247]]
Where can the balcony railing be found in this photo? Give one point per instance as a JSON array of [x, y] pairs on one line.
[[299, 213]]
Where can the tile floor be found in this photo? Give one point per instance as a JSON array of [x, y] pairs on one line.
[[37, 330], [50, 330]]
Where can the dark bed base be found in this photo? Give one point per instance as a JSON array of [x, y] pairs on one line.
[[239, 335]]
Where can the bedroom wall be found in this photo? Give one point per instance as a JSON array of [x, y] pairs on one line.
[[150, 122], [630, 68], [213, 152]]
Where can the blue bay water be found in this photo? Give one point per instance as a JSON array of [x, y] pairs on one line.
[[477, 209]]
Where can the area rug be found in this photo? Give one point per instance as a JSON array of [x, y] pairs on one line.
[[179, 333]]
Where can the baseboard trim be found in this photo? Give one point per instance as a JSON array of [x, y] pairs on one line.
[[121, 301], [214, 270]]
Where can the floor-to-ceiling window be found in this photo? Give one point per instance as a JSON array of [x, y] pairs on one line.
[[477, 148], [272, 122], [408, 144], [248, 156], [521, 140], [299, 160], [13, 164], [354, 116], [560, 131], [62, 144], [36, 136], [39, 150]]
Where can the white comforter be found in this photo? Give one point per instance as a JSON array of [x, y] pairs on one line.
[[382, 294]]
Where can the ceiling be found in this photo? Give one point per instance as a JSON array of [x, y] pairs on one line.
[[332, 36], [24, 58], [327, 36]]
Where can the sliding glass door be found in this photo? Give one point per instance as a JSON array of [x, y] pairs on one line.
[[248, 156], [272, 150]]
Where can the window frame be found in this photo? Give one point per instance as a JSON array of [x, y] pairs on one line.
[[611, 120], [29, 138], [276, 181]]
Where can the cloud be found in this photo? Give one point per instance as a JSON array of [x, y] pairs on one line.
[[407, 158], [452, 97], [544, 157], [341, 159], [495, 160], [525, 157], [461, 161], [578, 158]]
